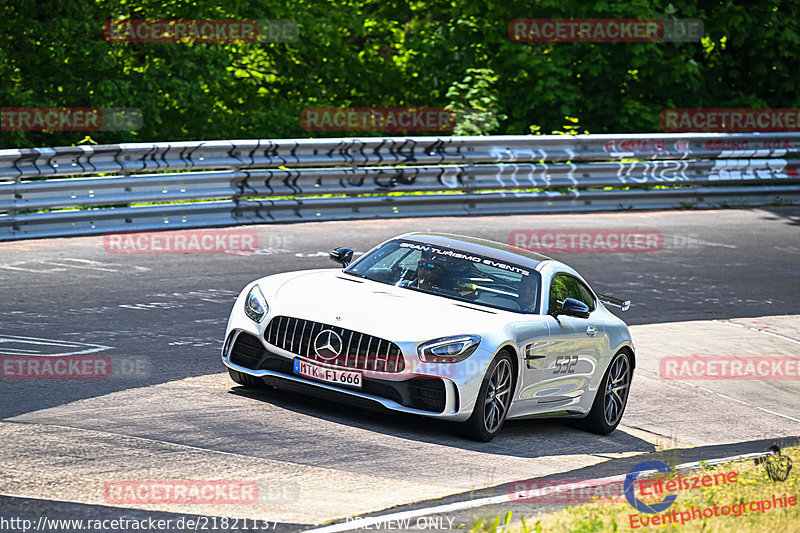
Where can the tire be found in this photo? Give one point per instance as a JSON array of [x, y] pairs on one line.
[[246, 380], [612, 397], [492, 406]]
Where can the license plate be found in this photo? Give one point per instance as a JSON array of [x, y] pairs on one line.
[[329, 375]]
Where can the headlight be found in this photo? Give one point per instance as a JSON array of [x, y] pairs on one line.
[[448, 349], [255, 306]]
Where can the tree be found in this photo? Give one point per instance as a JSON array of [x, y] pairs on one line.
[[370, 53]]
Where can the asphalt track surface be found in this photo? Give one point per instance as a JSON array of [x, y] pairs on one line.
[[161, 319]]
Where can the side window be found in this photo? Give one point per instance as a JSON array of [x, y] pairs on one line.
[[561, 288], [586, 295], [564, 286]]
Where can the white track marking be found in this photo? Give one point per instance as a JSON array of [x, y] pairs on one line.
[[33, 270], [76, 346], [764, 331], [90, 265], [726, 397], [67, 263]]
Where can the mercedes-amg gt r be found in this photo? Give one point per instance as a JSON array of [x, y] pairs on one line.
[[445, 326]]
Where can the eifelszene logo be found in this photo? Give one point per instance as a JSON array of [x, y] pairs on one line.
[[630, 483]]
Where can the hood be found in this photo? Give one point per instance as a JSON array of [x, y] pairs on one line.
[[389, 312]]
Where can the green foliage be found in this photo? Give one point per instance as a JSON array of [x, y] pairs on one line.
[[475, 101], [395, 53], [492, 526]]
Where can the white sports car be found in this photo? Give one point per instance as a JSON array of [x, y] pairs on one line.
[[445, 326]]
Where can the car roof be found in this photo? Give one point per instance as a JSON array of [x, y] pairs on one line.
[[485, 247]]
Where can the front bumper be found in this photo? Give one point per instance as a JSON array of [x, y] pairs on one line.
[[444, 391]]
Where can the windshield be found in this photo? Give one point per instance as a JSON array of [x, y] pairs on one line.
[[453, 274]]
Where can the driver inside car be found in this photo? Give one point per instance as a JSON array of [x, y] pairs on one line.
[[434, 273]]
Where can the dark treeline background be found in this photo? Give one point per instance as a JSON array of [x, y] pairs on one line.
[[390, 53]]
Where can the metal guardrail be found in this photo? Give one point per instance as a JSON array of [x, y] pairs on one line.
[[224, 183]]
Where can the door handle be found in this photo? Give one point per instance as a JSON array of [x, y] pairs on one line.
[[591, 331]]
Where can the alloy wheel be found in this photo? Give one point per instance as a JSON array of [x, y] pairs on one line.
[[617, 386], [497, 396]]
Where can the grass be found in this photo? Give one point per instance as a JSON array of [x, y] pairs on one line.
[[752, 485]]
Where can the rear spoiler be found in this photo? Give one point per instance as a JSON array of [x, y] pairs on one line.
[[624, 305]]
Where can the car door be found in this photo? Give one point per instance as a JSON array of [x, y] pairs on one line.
[[533, 338], [575, 346]]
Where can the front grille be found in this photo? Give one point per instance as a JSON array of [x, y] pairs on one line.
[[359, 351], [419, 393], [247, 351]]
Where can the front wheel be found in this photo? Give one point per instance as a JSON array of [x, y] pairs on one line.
[[612, 397], [494, 399]]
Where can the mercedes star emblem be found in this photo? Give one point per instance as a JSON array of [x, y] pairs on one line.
[[328, 344]]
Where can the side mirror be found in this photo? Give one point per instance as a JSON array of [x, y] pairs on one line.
[[343, 255], [573, 307]]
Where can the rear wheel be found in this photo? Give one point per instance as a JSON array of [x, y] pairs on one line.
[[494, 399], [246, 380], [612, 397]]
